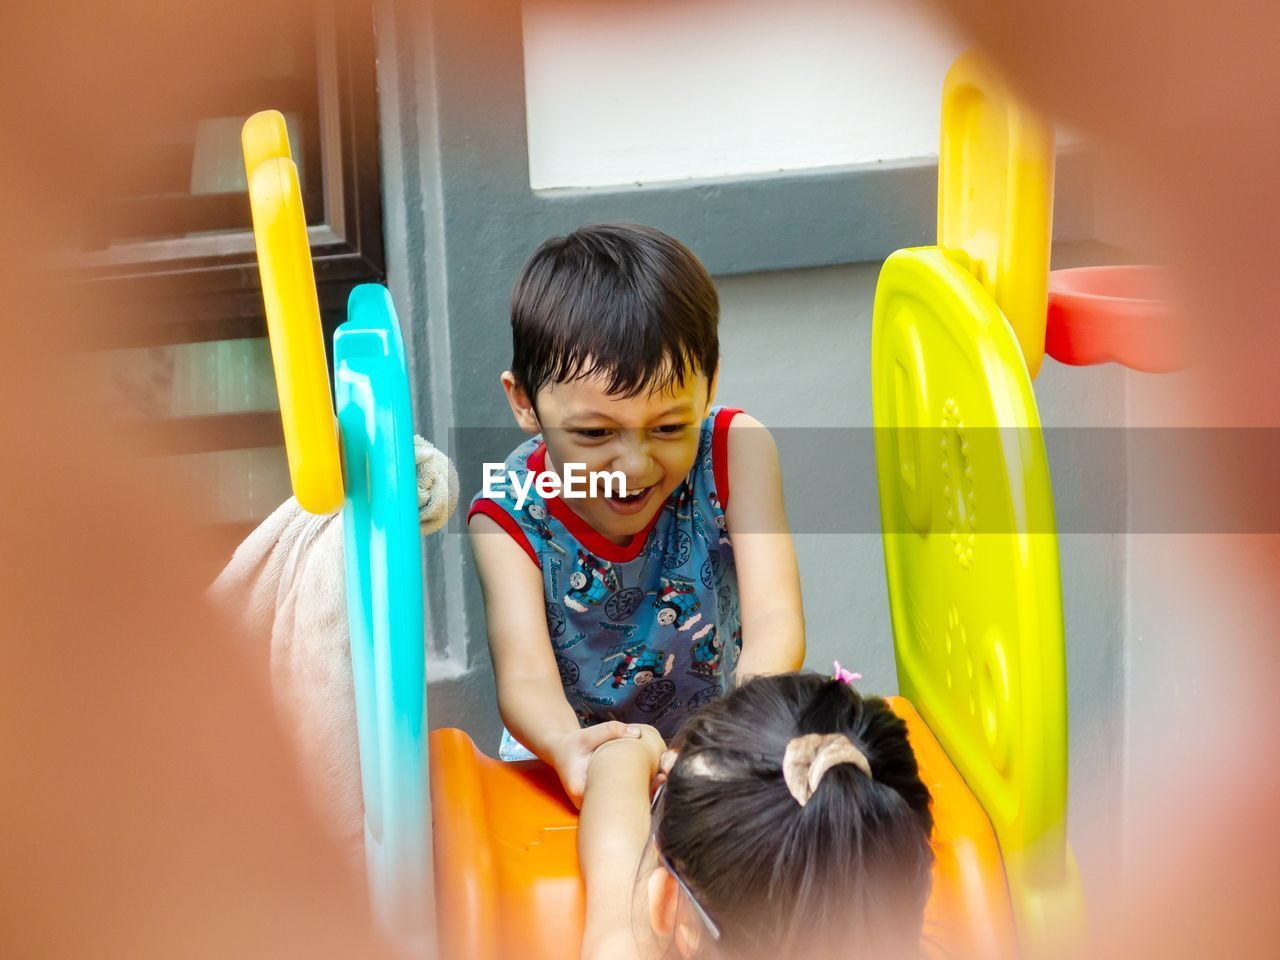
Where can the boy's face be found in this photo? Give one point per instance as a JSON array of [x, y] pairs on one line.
[[651, 439]]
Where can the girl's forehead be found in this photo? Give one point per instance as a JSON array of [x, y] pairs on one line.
[[588, 397]]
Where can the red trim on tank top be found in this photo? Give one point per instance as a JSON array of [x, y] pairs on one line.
[[720, 453], [507, 522], [587, 535]]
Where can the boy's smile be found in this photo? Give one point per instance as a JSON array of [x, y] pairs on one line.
[[634, 502], [651, 439]]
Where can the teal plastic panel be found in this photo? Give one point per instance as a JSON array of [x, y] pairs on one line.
[[384, 600]]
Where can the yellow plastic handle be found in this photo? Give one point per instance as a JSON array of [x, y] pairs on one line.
[[293, 323], [264, 136], [995, 195]]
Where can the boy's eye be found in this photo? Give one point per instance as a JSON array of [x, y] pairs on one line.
[[670, 429], [598, 433]]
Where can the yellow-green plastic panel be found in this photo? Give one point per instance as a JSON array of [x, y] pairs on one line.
[[995, 195], [971, 557]]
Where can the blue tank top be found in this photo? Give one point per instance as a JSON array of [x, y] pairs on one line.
[[647, 631]]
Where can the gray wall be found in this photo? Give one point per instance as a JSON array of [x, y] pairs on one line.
[[795, 258]]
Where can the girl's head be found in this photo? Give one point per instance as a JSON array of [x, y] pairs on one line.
[[844, 874]]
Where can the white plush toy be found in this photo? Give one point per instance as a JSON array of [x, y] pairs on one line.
[[286, 587]]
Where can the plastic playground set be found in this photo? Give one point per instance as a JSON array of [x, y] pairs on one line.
[[959, 332]]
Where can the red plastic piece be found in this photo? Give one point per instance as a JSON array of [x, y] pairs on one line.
[[1114, 314]]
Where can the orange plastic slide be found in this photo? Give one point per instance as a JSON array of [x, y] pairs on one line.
[[506, 863]]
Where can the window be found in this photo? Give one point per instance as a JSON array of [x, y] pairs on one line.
[[176, 240]]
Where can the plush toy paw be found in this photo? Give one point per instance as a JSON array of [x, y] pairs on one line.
[[437, 485]]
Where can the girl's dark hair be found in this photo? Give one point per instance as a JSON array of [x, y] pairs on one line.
[[621, 300], [846, 875]]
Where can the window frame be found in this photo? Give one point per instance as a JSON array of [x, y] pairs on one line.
[[199, 289]]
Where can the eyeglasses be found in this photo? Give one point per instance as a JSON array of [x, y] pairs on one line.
[[713, 929]]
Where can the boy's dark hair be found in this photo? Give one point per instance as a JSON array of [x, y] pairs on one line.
[[848, 873], [622, 300]]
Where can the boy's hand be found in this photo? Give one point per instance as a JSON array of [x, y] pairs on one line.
[[625, 759], [571, 752], [649, 750]]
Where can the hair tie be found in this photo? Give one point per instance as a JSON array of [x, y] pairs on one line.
[[845, 676], [809, 757]]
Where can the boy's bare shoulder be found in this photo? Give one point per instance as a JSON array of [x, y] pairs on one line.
[[749, 441], [482, 523], [744, 421], [499, 557]]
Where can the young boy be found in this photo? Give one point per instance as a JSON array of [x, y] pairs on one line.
[[612, 610]]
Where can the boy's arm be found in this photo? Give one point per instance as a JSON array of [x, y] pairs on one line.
[[530, 696], [613, 831], [768, 576]]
